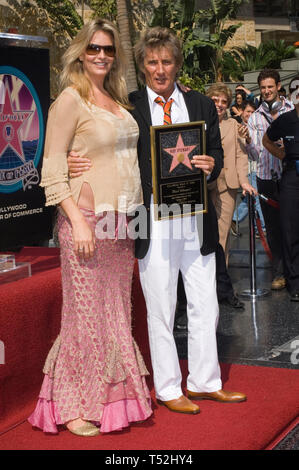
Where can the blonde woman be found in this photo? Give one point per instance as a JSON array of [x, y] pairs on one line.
[[235, 165], [94, 374]]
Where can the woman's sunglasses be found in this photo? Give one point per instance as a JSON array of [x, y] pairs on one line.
[[94, 49]]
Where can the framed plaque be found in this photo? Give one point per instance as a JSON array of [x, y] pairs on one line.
[[179, 188]]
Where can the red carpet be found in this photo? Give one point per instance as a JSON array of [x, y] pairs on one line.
[[271, 407], [31, 320]]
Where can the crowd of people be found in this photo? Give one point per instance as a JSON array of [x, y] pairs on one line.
[[266, 168], [265, 171], [97, 168]]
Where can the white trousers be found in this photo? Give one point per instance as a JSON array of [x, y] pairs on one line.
[[175, 246]]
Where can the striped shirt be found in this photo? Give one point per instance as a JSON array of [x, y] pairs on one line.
[[258, 123]]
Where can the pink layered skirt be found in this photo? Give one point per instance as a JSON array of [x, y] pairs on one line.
[[94, 369]]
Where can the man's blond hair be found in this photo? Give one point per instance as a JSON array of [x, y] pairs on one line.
[[153, 39]]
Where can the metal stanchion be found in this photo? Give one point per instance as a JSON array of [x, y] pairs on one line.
[[237, 221], [252, 293]]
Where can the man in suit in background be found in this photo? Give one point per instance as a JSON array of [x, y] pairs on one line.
[[159, 58]]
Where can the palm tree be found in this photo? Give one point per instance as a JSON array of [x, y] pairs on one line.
[[216, 17], [204, 32], [244, 59], [124, 30], [62, 13], [280, 50], [248, 58]]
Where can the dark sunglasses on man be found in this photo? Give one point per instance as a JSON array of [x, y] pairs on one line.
[[94, 49]]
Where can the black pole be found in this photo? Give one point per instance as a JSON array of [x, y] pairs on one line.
[[251, 217], [253, 293]]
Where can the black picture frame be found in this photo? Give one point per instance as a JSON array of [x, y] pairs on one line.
[[179, 188]]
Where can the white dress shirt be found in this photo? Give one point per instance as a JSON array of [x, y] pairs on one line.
[[179, 112]]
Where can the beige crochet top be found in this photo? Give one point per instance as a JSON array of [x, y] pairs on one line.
[[109, 141]]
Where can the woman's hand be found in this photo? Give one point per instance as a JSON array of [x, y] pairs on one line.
[[182, 87], [204, 162], [77, 165], [247, 188], [236, 111], [83, 235], [241, 87], [84, 239], [244, 133]]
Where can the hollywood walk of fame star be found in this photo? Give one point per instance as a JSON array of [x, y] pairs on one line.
[[180, 154], [10, 124]]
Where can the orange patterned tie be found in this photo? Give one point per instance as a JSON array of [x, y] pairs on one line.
[[166, 107]]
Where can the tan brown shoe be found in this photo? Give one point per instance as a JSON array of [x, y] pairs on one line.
[[278, 283], [221, 396], [181, 405]]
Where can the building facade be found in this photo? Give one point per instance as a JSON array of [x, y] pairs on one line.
[[263, 20]]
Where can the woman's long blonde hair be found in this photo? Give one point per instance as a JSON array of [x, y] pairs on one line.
[[73, 73]]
